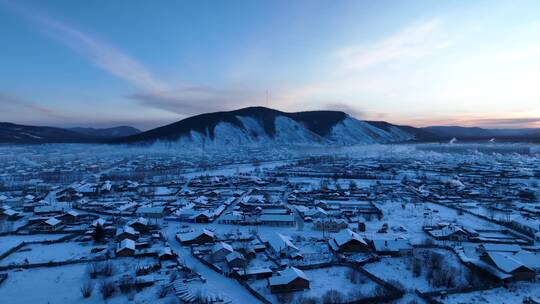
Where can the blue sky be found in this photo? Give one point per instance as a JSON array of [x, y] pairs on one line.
[[147, 63]]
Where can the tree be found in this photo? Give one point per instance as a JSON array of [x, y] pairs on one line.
[[99, 233], [332, 296], [106, 288]]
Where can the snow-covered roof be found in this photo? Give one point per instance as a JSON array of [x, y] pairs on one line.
[[151, 210], [98, 221], [279, 242], [10, 212], [277, 217], [529, 259], [504, 261], [234, 255], [128, 230], [53, 221], [185, 237], [447, 231], [127, 243], [501, 247], [251, 271], [165, 251], [73, 213], [347, 235], [140, 220], [222, 245], [288, 275]]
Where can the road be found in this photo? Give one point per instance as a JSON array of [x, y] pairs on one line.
[[215, 282]]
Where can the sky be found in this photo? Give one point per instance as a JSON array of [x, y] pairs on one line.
[[150, 63]]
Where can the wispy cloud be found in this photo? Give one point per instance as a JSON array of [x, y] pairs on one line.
[[196, 100], [19, 104], [505, 122], [101, 54], [151, 91], [414, 41]]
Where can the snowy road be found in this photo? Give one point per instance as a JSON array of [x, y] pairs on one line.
[[216, 282]]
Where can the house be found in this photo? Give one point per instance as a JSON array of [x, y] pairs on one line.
[[394, 247], [255, 273], [152, 212], [48, 210], [126, 232], [10, 214], [450, 233], [281, 220], [330, 224], [503, 248], [70, 217], [202, 236], [290, 279], [509, 265], [529, 259], [140, 224], [52, 224], [314, 213], [165, 254], [235, 259], [200, 217], [282, 245], [126, 248], [220, 251], [232, 218], [348, 241]]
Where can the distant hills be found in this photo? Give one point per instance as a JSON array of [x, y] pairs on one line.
[[14, 133], [260, 125], [479, 134], [114, 132]]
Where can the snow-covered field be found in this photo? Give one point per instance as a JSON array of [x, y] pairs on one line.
[[8, 242], [323, 280], [42, 253], [514, 294], [60, 285]]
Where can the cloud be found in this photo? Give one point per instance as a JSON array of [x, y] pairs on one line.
[[152, 92], [351, 110], [196, 100], [505, 122], [19, 104], [412, 42], [101, 54]]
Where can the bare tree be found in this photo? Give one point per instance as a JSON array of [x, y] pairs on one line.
[[86, 289]]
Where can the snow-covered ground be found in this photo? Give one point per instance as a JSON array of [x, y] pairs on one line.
[[514, 294], [60, 285], [323, 280], [42, 253], [10, 241]]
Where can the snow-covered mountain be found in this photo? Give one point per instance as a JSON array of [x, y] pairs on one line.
[[259, 125]]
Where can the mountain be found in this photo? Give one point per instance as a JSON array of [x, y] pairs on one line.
[[480, 134], [260, 125], [114, 132], [14, 133]]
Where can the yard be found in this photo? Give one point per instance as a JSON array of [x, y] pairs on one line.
[[322, 280]]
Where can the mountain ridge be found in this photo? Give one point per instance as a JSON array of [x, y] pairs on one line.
[[261, 125]]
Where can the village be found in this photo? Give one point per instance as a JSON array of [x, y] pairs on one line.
[[367, 224]]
